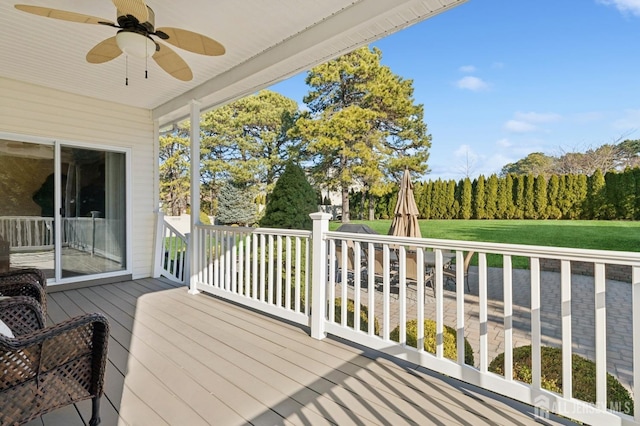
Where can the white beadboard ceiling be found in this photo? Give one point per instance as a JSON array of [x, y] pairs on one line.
[[266, 41]]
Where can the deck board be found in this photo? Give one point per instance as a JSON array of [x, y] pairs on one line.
[[180, 359]]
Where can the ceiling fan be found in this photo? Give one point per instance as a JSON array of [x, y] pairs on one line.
[[136, 29]]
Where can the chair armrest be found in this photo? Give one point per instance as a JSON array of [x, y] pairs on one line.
[[32, 275], [50, 348], [22, 314], [25, 288]]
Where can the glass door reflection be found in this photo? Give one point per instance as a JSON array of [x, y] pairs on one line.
[[27, 207], [93, 211]]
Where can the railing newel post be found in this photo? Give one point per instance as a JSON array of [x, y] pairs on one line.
[[319, 274]]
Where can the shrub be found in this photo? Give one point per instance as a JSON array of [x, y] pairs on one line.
[[449, 336], [364, 316], [291, 201], [584, 375]]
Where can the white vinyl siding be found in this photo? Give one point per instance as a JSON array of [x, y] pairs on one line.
[[36, 111]]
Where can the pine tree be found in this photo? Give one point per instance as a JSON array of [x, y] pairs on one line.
[[540, 197], [503, 196], [509, 194], [362, 125], [529, 209], [465, 203], [450, 198], [479, 199], [580, 188], [553, 186], [626, 203], [492, 197], [291, 201], [518, 197], [235, 204]]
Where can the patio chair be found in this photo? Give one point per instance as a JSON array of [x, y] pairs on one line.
[[411, 264], [25, 282], [46, 368], [450, 273], [348, 274]]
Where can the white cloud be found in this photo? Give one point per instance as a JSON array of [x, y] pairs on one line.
[[629, 121], [497, 65], [536, 117], [474, 84], [587, 117], [518, 126], [624, 6], [467, 68], [465, 150], [504, 143]]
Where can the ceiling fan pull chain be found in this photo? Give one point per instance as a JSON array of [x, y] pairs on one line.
[[146, 60], [126, 75]]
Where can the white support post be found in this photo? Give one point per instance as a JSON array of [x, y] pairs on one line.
[[159, 245], [319, 274], [195, 195]]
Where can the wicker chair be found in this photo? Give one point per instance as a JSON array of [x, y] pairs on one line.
[[25, 282], [45, 368]]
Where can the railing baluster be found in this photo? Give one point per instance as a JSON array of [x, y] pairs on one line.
[[371, 286], [635, 292], [535, 324], [287, 292], [331, 294], [356, 285], [270, 288], [421, 287], [402, 295], [254, 276], [298, 257], [440, 304], [601, 336], [343, 284], [386, 293], [460, 305], [507, 277], [263, 264], [278, 272], [565, 313], [482, 316]]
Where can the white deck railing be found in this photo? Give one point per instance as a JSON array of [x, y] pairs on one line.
[[172, 255], [27, 232], [268, 269], [264, 268]]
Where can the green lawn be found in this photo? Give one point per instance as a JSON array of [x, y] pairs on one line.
[[589, 234]]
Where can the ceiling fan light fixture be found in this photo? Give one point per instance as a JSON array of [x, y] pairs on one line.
[[135, 44]]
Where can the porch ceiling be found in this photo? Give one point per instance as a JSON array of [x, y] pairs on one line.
[[266, 41]]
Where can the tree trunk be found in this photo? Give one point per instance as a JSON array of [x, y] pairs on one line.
[[372, 207], [345, 204]]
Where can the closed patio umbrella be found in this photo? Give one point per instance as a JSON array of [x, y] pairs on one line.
[[405, 220]]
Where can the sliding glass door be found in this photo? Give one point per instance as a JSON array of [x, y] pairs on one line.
[[27, 206], [93, 211], [63, 209]]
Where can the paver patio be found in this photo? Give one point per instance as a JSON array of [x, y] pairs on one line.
[[618, 304]]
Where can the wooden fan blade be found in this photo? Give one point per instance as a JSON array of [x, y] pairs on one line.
[[172, 63], [193, 42], [62, 15], [104, 51], [136, 8]]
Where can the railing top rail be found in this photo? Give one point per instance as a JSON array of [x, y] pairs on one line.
[[174, 230], [573, 254], [266, 231]]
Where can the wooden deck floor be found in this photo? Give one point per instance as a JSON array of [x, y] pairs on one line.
[[179, 359]]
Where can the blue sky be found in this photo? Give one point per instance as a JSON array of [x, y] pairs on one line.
[[500, 79]]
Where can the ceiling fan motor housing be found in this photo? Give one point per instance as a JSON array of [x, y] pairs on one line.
[[130, 21]]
